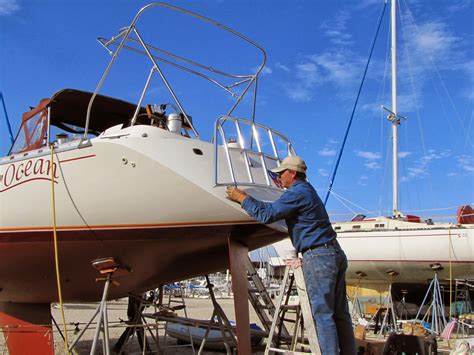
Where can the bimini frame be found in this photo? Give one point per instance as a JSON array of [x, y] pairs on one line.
[[129, 38]]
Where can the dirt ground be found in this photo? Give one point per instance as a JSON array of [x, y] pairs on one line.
[[80, 314], [199, 308]]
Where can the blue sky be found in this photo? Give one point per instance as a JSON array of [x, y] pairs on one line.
[[316, 56]]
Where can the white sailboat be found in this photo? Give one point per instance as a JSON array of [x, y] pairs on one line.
[[133, 182], [402, 248]]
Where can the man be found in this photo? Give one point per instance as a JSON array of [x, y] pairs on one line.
[[136, 305], [324, 262]]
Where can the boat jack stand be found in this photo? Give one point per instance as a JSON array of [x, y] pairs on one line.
[[107, 267], [218, 315]]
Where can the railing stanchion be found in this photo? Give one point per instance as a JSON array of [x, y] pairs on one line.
[[244, 151], [262, 157]]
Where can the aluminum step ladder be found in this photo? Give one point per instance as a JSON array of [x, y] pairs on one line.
[[176, 303], [260, 299], [299, 315]]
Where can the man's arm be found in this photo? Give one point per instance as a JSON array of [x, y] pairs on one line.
[[265, 212]]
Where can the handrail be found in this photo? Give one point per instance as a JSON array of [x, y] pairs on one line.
[[124, 36], [238, 156]]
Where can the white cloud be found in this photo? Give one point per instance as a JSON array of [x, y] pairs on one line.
[[434, 38], [373, 108], [282, 67], [402, 155], [308, 73], [371, 159], [408, 103], [299, 93], [323, 172], [466, 162], [265, 71], [420, 167], [307, 78], [373, 165], [412, 172], [366, 3], [339, 68], [327, 152], [368, 155], [363, 180], [433, 155], [335, 29], [8, 7], [427, 43], [458, 6]]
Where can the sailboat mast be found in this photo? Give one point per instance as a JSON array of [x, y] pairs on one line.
[[395, 120]]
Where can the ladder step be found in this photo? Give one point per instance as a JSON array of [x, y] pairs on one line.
[[290, 307], [178, 308]]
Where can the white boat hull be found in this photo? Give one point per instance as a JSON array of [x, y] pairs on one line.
[[406, 248], [145, 198]]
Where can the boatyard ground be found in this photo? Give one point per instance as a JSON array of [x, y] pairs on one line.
[[199, 308]]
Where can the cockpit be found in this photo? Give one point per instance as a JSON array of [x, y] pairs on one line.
[[62, 118]]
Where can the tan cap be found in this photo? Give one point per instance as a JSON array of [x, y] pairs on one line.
[[291, 162]]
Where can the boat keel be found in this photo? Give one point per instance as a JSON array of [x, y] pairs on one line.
[[27, 328]]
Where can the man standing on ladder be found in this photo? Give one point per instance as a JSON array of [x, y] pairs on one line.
[[324, 262]]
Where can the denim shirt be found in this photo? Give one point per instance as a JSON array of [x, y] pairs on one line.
[[304, 213]]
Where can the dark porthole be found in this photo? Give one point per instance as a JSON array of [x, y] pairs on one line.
[[197, 151]]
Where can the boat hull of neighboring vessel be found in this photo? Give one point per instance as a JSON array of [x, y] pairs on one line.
[[382, 245]]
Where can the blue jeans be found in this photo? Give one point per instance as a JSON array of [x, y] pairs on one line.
[[324, 270]]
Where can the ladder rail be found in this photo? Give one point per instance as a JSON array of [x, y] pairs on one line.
[[294, 277], [275, 317], [268, 305]]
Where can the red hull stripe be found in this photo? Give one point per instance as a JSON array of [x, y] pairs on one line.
[[78, 158]]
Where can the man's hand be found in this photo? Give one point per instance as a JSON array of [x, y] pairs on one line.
[[234, 194]]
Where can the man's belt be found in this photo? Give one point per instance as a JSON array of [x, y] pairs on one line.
[[326, 245]]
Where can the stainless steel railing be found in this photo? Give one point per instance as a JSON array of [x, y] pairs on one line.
[[244, 159]]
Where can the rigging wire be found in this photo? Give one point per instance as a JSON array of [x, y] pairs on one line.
[[450, 99], [343, 203], [468, 130], [352, 203], [355, 105], [417, 107]]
